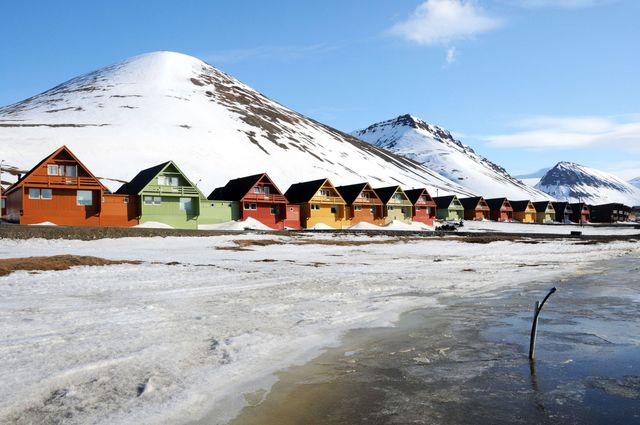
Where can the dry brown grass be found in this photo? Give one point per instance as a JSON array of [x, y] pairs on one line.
[[55, 262]]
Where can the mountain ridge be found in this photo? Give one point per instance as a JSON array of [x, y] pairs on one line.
[[436, 148], [165, 105], [569, 181]]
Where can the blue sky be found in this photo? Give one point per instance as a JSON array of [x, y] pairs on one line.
[[524, 82]]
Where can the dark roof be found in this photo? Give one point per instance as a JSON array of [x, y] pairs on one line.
[[385, 193], [414, 194], [579, 205], [303, 192], [350, 193], [141, 180], [541, 206], [235, 189], [443, 201], [495, 203], [519, 205], [470, 203], [561, 207]]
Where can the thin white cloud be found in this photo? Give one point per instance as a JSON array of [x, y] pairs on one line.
[[437, 22], [452, 55], [561, 4], [546, 132]]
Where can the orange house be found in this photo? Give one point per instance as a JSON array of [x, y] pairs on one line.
[[363, 204], [424, 208], [475, 208], [62, 191]]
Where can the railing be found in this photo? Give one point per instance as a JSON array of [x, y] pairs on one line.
[[172, 190], [63, 181], [258, 197], [368, 201], [326, 200]]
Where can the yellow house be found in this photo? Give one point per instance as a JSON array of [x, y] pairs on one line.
[[523, 211], [320, 204]]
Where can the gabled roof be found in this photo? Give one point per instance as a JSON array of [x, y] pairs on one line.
[[580, 205], [22, 179], [415, 194], [470, 203], [541, 206], [444, 201], [385, 193], [561, 207], [351, 192], [520, 205], [237, 189], [144, 177], [299, 193], [495, 203]]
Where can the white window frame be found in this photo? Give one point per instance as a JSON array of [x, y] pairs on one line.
[[52, 167], [274, 209], [250, 206], [183, 203], [34, 189], [50, 197], [74, 173]]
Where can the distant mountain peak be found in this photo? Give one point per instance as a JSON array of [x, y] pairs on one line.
[[437, 149], [574, 182]]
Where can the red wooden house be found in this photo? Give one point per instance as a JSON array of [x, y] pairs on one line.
[[363, 204], [475, 208], [500, 209], [580, 212], [62, 191], [424, 208], [261, 200]]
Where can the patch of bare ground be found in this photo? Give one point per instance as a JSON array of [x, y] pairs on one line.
[[243, 244], [55, 262]]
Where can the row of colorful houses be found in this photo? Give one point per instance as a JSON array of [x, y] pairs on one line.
[[62, 191]]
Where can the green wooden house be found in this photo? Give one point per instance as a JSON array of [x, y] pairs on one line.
[[168, 197], [397, 205], [545, 213], [449, 208]]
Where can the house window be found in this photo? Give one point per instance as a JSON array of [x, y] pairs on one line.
[[418, 209], [71, 171], [52, 170], [365, 195], [168, 181], [275, 209], [152, 200], [334, 209], [186, 204], [125, 200], [423, 198], [2, 203], [429, 210], [256, 189], [357, 207], [34, 193], [46, 194], [403, 210], [315, 206], [84, 197], [266, 190], [389, 208], [250, 206], [397, 197], [373, 210]]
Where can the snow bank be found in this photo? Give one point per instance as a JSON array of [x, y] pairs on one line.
[[365, 226], [153, 225], [44, 223], [248, 224], [553, 228]]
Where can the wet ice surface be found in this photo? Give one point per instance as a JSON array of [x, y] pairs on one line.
[[466, 363]]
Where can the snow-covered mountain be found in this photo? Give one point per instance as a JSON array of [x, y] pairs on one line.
[[635, 182], [436, 148], [573, 182], [164, 105]]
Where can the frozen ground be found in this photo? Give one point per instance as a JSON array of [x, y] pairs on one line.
[[196, 329], [560, 229]]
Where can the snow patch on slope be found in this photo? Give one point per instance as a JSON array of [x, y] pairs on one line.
[[164, 105], [572, 182], [436, 148]]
